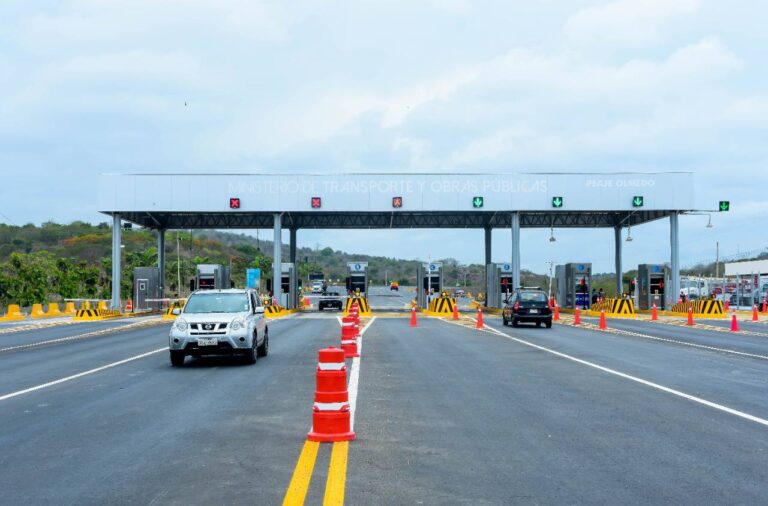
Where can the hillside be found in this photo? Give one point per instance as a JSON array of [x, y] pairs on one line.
[[55, 261]]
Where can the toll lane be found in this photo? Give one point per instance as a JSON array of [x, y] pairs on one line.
[[448, 414], [731, 380], [212, 432]]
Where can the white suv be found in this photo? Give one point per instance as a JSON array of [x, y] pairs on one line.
[[220, 322]]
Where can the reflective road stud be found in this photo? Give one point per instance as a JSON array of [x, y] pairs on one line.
[[330, 414]]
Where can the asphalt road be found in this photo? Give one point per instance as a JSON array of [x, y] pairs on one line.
[[445, 414]]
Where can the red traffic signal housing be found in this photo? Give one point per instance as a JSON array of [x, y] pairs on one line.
[[316, 202], [234, 203], [397, 202]]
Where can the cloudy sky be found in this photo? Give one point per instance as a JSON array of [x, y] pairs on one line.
[[373, 85]]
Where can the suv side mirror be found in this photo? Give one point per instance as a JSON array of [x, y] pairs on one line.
[[176, 311], [258, 310]]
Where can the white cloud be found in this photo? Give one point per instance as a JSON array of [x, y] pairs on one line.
[[628, 23]]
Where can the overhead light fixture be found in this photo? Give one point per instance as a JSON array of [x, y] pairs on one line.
[[709, 223], [629, 234], [552, 235]]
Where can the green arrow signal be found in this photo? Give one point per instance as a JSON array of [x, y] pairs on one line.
[[725, 205], [557, 202], [477, 202], [637, 201]]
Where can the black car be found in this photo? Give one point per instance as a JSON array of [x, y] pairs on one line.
[[527, 306], [330, 300]]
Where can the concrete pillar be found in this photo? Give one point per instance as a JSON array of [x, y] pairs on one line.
[[674, 241], [292, 247], [619, 269], [116, 256], [516, 250], [292, 258], [277, 258], [488, 257], [161, 259]]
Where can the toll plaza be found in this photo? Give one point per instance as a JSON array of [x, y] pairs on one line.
[[652, 280], [500, 284], [574, 281], [295, 202], [429, 278]]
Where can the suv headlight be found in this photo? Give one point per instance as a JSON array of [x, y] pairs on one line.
[[180, 324], [237, 324]]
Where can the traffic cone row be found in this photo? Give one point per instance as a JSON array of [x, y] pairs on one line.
[[331, 417], [350, 331]]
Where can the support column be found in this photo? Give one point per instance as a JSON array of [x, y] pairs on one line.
[[292, 247], [619, 269], [488, 259], [116, 256], [292, 258], [161, 260], [277, 259], [674, 240], [516, 250]]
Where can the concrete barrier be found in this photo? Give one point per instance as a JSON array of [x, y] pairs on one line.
[[53, 310], [37, 311], [614, 308], [707, 308], [441, 306], [69, 309], [13, 314]]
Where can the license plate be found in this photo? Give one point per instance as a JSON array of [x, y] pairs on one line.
[[208, 342], [533, 311]]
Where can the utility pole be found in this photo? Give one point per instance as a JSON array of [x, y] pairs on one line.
[[178, 265], [717, 260], [551, 264]]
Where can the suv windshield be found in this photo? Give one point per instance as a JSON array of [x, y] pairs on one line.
[[217, 303], [533, 297]]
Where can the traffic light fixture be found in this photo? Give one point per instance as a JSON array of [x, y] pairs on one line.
[[725, 205]]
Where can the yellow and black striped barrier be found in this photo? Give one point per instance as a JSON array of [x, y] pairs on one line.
[[441, 306], [274, 311], [707, 308], [615, 308], [177, 304], [96, 314], [362, 304]]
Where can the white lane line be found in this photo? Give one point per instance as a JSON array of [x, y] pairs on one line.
[[678, 393], [354, 375], [81, 374]]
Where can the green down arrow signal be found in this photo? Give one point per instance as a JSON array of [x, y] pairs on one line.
[[477, 202], [638, 201], [725, 205], [557, 202]]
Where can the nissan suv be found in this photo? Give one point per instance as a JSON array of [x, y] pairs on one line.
[[220, 322], [527, 306]]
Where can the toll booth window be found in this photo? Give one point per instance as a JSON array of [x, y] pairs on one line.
[[581, 284]]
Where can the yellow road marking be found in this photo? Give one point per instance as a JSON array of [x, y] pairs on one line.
[[297, 489], [337, 475]]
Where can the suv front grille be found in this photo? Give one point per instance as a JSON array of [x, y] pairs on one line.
[[207, 329]]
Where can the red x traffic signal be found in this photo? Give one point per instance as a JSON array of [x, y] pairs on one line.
[[397, 202], [234, 203], [316, 202]]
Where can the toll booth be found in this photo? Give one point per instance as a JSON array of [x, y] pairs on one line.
[[146, 289], [429, 280], [357, 278], [290, 286], [499, 284], [211, 277], [574, 282], [652, 280]]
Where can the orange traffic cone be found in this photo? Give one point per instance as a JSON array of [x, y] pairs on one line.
[[557, 313], [413, 316], [603, 325], [765, 306], [577, 317], [455, 311], [654, 313], [129, 306], [331, 417], [754, 313], [479, 318], [690, 316], [734, 323], [727, 305]]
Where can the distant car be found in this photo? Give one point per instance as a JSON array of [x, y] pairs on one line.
[[459, 293], [220, 322], [394, 286], [330, 300], [527, 306], [317, 287]]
